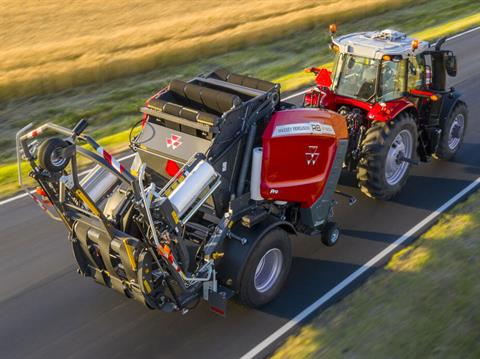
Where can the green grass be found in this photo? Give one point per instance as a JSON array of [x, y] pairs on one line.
[[113, 106], [423, 304]]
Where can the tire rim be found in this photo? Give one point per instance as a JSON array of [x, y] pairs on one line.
[[268, 270], [334, 237], [395, 168], [456, 132], [56, 157]]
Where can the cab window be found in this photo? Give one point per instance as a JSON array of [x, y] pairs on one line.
[[416, 67], [392, 83]]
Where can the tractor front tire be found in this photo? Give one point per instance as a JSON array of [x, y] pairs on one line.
[[381, 172], [453, 131]]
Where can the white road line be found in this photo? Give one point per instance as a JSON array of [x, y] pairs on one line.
[[296, 94], [355, 275], [463, 33], [11, 199]]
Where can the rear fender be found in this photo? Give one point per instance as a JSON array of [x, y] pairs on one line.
[[448, 104], [236, 254], [387, 111]]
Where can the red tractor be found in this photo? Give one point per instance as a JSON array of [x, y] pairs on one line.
[[392, 91]]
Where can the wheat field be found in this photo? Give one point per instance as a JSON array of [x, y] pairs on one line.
[[50, 45]]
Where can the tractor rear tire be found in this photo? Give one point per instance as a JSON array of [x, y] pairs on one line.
[[266, 269], [381, 173], [453, 131]]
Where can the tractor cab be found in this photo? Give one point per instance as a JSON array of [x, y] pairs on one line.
[[392, 91], [381, 66], [378, 66]]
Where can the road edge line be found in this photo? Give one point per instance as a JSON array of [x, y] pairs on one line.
[[359, 272]]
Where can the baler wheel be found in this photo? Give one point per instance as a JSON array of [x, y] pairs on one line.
[[330, 234], [266, 269]]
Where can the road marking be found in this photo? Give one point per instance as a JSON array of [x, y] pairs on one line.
[[296, 94], [463, 33], [20, 196], [355, 275]]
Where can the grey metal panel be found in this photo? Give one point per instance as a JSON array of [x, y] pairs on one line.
[[318, 212], [155, 137], [154, 149]]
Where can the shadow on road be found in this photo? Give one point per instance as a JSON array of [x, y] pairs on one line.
[[423, 191], [309, 279]]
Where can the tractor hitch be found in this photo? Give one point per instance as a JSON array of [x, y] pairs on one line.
[[408, 160]]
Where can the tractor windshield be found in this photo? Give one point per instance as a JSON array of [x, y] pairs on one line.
[[356, 77]]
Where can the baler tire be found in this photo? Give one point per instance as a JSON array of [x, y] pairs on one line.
[[330, 234], [45, 152], [371, 174], [444, 151], [276, 239]]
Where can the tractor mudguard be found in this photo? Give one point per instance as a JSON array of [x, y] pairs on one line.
[[389, 110], [448, 104], [232, 265]]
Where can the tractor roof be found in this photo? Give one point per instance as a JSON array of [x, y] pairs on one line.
[[375, 44]]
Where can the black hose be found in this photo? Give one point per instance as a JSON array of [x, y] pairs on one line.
[[130, 139], [246, 159]]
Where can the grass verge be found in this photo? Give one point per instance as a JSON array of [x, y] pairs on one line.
[[423, 304]]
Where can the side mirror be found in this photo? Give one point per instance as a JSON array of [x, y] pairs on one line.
[[451, 64]]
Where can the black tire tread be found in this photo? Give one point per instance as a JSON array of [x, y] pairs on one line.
[[370, 174], [443, 151], [246, 292], [44, 151]]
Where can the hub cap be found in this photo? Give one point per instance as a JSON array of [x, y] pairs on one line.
[[268, 270], [456, 132], [334, 236], [56, 157], [401, 147]]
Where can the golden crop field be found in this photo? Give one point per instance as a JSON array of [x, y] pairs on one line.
[[51, 45]]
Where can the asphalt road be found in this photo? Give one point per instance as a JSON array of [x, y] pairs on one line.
[[47, 310]]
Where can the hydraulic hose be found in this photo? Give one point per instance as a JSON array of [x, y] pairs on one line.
[[246, 159]]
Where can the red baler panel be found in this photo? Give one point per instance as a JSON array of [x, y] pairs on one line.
[[299, 148]]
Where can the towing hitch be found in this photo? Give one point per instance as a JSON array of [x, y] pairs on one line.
[[408, 160]]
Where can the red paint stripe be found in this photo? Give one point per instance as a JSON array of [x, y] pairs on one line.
[[107, 157], [422, 93], [217, 310]]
